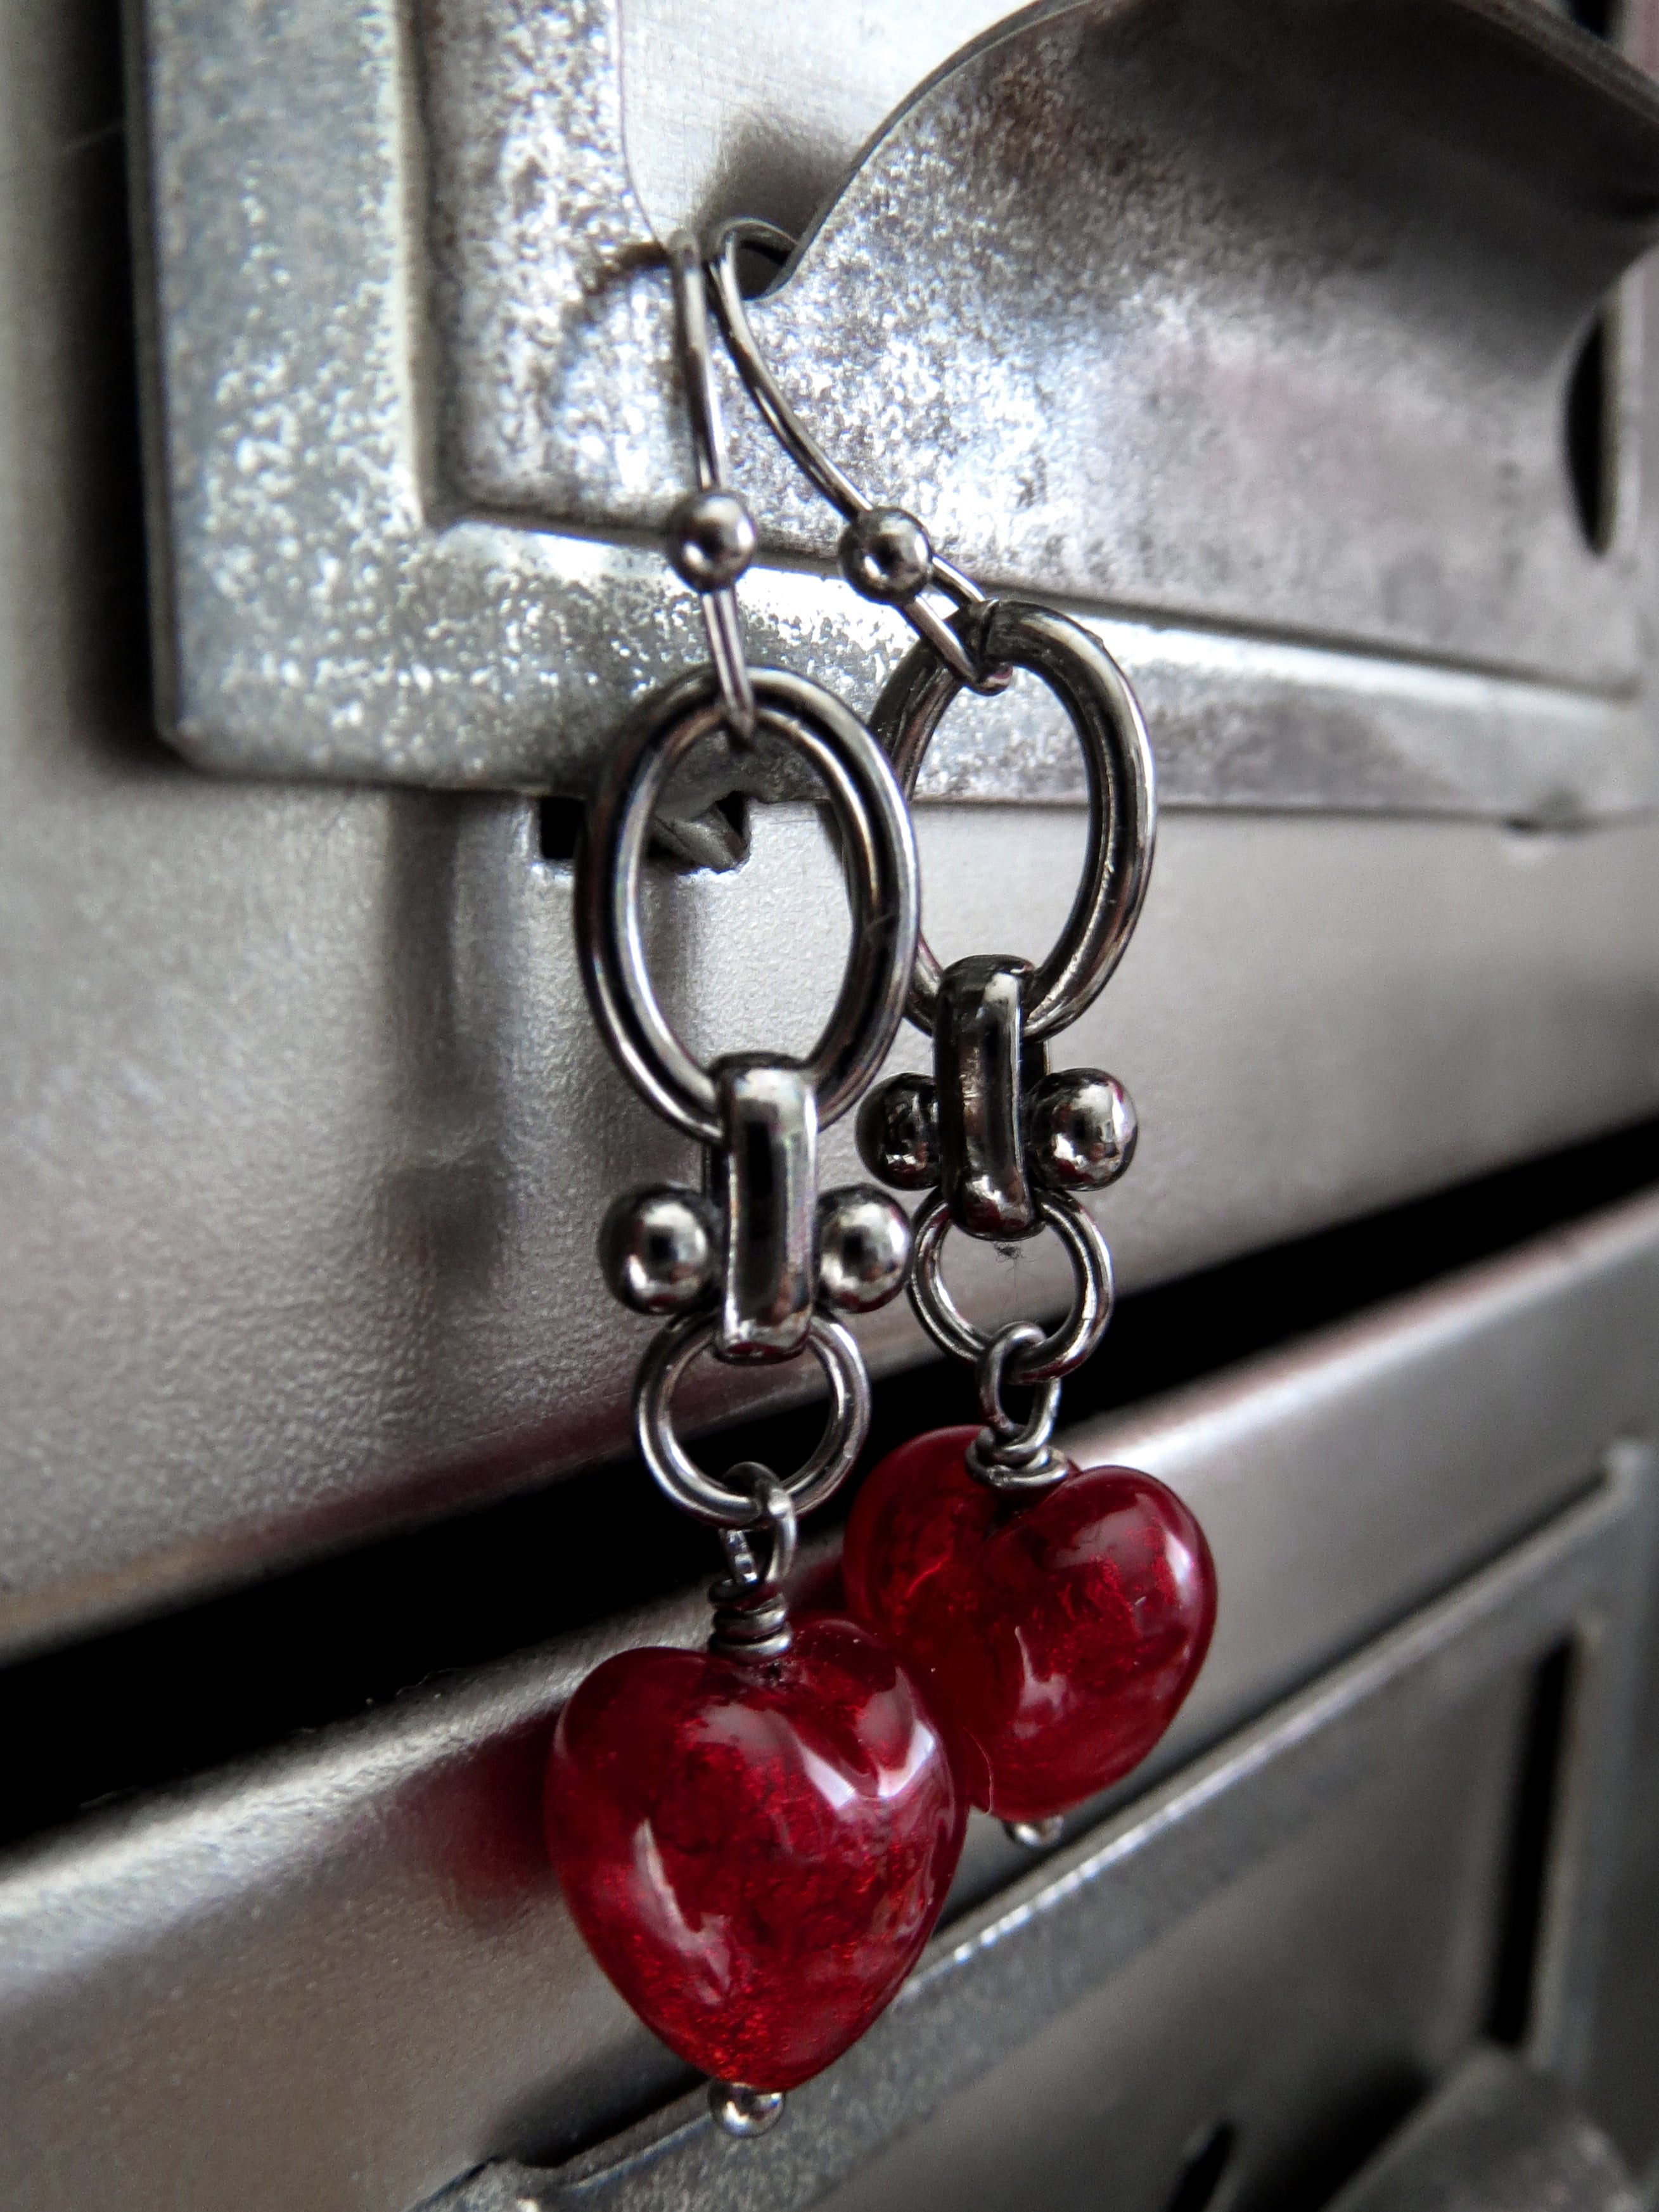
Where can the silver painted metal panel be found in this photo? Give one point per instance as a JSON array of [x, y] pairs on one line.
[[341, 1974], [403, 289], [1379, 1915]]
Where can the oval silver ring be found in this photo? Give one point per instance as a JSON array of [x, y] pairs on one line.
[[879, 854], [685, 1482], [1117, 757], [1069, 1345]]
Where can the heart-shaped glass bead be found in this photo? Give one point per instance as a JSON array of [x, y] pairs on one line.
[[756, 1850], [1054, 1636]]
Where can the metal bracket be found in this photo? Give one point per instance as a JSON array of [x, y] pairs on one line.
[[991, 1981], [411, 406]]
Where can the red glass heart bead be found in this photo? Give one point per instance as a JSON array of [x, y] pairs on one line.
[[756, 1851], [1055, 1637]]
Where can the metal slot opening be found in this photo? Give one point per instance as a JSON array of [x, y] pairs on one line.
[[718, 838], [1592, 458], [1537, 1792], [1599, 17], [561, 829]]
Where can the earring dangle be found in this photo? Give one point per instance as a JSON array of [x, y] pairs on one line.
[[1056, 1616], [755, 1840]]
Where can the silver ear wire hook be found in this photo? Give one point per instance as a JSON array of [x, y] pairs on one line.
[[885, 554], [710, 535]]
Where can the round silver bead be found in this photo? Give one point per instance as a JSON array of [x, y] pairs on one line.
[[710, 539], [660, 1248], [864, 1249], [1036, 1835], [898, 1132], [885, 554], [1083, 1130], [744, 2111]]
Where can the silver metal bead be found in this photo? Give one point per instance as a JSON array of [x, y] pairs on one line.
[[1036, 1835], [743, 2111], [1083, 1130], [885, 554], [660, 1248], [898, 1132], [864, 1249], [710, 539]]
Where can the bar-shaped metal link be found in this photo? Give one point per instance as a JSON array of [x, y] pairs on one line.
[[977, 1039], [766, 1178]]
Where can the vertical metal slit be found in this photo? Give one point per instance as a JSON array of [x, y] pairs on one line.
[[1536, 1800], [1591, 430], [561, 827]]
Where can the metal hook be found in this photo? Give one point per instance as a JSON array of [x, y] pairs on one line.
[[711, 535], [885, 554]]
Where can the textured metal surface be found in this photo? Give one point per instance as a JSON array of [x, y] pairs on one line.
[[990, 1982], [306, 1136], [342, 1975], [1326, 272], [1497, 2138]]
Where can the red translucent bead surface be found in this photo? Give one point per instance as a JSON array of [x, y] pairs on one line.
[[1054, 1637], [756, 1851]]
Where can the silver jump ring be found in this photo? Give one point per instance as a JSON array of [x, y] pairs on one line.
[[1117, 757], [1056, 1355], [685, 1482], [878, 855]]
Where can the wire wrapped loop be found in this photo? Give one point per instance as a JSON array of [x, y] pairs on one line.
[[751, 1618], [1009, 1455]]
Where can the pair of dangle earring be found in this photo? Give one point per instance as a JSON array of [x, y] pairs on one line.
[[756, 1840]]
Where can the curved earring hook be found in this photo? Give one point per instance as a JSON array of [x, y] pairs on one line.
[[885, 554], [711, 532]]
